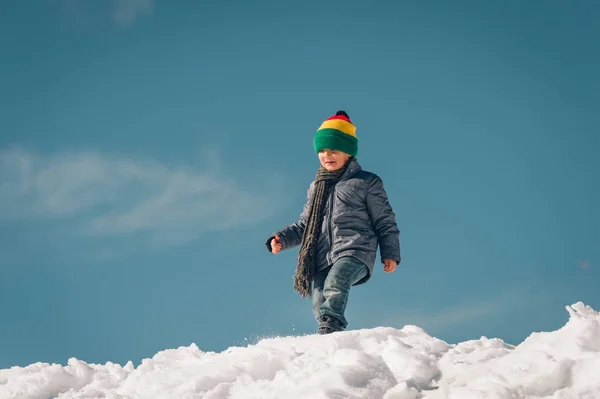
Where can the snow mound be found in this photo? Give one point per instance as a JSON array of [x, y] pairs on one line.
[[382, 362]]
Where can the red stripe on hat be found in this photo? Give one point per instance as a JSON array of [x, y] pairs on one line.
[[339, 117]]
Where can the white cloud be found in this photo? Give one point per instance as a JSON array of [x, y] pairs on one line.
[[117, 196], [127, 11]]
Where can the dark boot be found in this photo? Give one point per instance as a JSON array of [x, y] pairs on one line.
[[323, 330], [328, 325]]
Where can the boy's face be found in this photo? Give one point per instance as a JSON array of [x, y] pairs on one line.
[[333, 159]]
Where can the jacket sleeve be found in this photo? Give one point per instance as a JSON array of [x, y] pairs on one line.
[[291, 235], [384, 221]]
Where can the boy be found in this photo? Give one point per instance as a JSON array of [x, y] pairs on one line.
[[346, 217]]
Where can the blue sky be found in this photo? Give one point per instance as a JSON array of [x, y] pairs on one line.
[[148, 148]]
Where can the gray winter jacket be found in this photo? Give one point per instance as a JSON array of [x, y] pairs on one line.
[[357, 219]]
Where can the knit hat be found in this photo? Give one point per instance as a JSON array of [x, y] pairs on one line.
[[337, 133]]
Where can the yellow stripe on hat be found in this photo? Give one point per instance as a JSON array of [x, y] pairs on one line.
[[341, 125]]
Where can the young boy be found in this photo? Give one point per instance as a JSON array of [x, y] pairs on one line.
[[346, 217]]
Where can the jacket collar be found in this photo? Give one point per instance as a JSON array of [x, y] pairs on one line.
[[353, 168]]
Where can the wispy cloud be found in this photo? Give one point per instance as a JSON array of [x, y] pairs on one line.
[[85, 13], [104, 195], [447, 318], [127, 11], [584, 264], [457, 315]]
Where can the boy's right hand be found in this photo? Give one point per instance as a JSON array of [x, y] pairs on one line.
[[275, 245]]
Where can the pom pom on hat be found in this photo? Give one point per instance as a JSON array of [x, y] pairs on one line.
[[337, 133]]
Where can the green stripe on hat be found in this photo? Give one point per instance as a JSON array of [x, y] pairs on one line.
[[334, 139]]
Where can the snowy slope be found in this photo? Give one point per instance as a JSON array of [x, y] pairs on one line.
[[374, 363]]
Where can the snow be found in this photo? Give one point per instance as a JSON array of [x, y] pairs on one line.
[[382, 362]]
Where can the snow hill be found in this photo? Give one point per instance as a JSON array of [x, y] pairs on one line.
[[373, 363]]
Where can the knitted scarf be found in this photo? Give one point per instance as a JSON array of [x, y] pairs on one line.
[[305, 269]]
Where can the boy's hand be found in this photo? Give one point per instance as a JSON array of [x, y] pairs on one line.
[[389, 265], [275, 245]]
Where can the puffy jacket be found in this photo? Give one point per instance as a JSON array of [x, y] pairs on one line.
[[357, 218]]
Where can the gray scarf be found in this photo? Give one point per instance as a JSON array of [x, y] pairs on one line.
[[305, 269]]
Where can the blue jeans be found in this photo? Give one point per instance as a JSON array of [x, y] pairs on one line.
[[331, 288]]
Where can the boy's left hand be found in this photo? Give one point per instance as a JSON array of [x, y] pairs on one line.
[[389, 265]]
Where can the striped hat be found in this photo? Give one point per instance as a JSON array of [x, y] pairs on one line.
[[337, 133]]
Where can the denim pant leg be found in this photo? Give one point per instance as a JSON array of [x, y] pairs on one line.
[[318, 298], [342, 275]]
